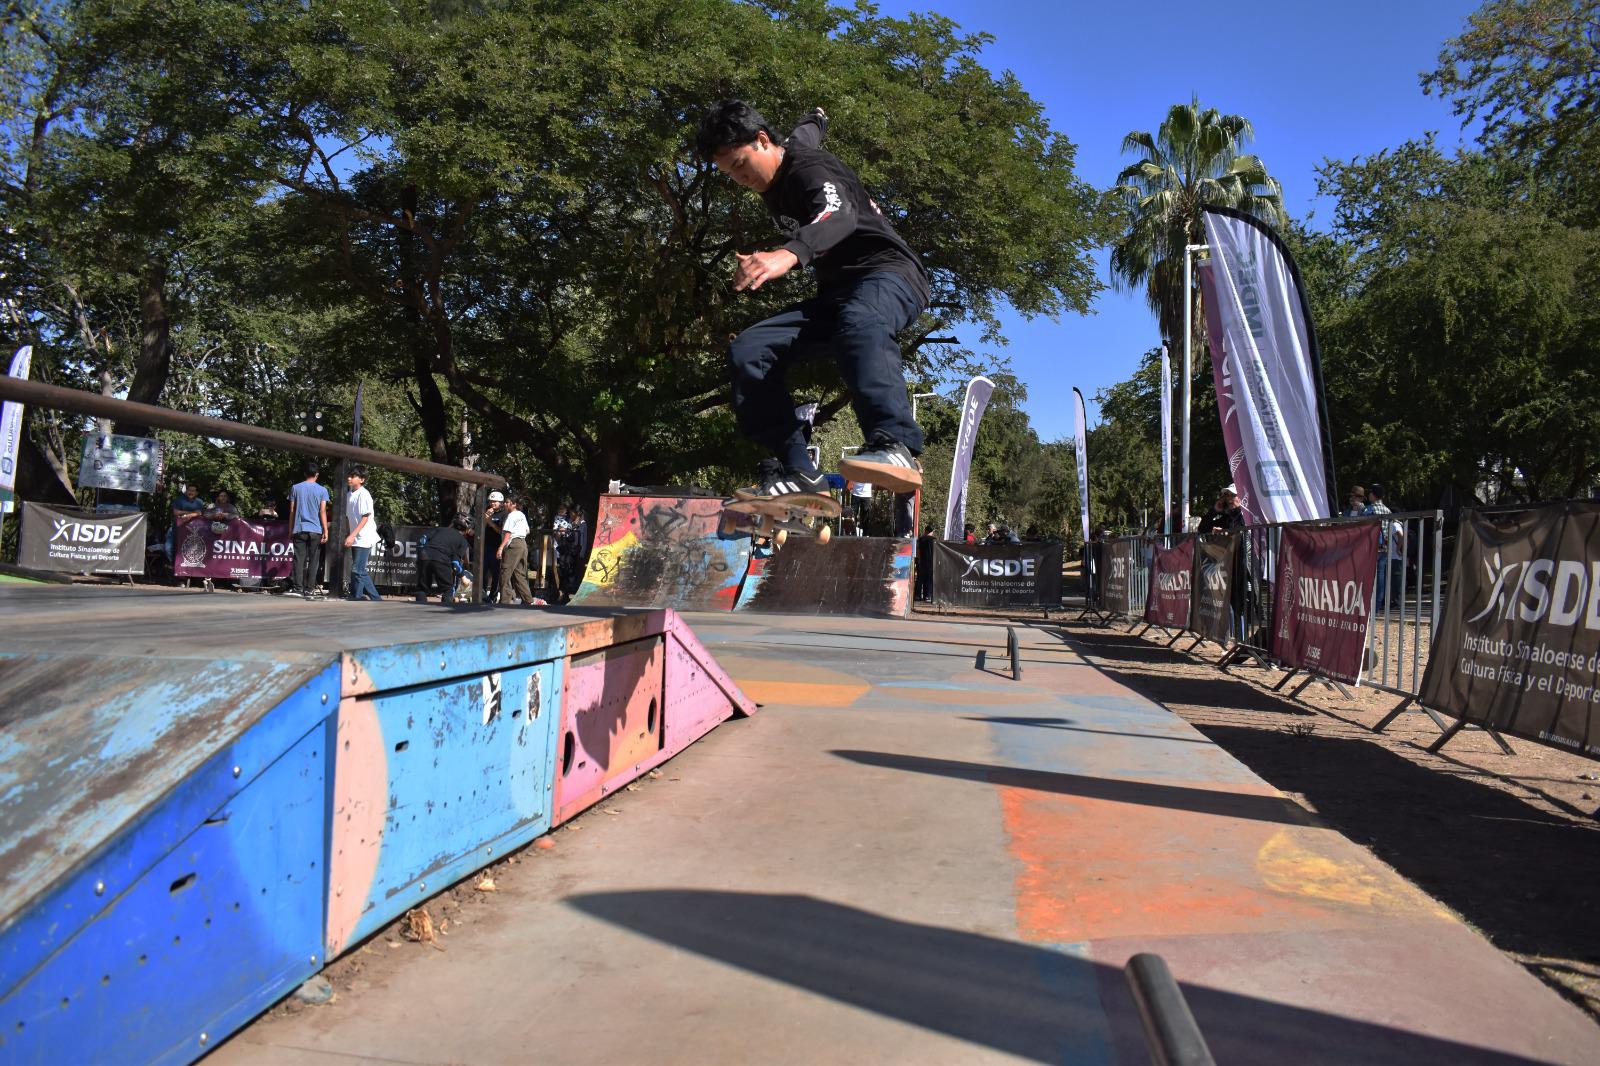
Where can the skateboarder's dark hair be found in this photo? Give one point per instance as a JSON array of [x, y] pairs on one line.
[[728, 125]]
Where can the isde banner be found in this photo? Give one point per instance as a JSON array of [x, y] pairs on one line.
[[997, 575], [1212, 594], [73, 541], [1518, 650]]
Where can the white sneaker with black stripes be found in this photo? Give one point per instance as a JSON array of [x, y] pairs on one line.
[[774, 479], [885, 463]]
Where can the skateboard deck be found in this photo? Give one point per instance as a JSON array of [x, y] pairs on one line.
[[778, 516]]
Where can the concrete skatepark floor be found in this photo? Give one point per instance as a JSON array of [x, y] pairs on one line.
[[903, 858]]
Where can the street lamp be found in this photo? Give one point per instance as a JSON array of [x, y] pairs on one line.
[[1188, 372], [915, 396]]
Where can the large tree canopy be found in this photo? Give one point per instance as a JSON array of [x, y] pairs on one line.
[[491, 209]]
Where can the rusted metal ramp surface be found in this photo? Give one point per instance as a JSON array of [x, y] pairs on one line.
[[663, 551], [862, 576], [205, 797]]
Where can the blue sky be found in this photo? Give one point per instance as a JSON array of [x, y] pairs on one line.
[[1318, 81]]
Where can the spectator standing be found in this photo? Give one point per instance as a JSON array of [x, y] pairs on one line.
[[492, 521], [363, 536], [185, 506], [513, 552], [1356, 505], [1391, 545], [925, 545], [1225, 516], [308, 529], [969, 534], [860, 504]]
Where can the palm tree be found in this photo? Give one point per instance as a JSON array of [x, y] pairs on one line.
[[1192, 160]]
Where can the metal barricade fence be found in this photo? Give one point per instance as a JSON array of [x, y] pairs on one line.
[[1407, 593]]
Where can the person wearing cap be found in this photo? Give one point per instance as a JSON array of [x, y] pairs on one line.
[[1356, 506], [1226, 516], [492, 531], [442, 557]]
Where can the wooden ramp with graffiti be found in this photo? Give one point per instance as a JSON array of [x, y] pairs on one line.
[[204, 798], [663, 551], [865, 576]]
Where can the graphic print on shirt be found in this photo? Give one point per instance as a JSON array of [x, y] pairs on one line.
[[830, 202]]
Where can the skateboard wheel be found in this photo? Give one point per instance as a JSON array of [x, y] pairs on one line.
[[783, 535], [824, 534]]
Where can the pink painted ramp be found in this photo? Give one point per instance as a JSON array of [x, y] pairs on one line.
[[629, 707]]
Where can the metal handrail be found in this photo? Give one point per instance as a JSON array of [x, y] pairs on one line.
[[1171, 1034], [94, 404]]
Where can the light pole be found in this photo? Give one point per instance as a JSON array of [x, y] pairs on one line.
[[1188, 368], [915, 396]]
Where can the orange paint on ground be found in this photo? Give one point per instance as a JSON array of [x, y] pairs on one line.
[[1093, 869], [803, 693]]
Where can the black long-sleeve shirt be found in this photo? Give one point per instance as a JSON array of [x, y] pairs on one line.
[[445, 544], [832, 225]]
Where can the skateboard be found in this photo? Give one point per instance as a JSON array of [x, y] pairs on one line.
[[802, 513]]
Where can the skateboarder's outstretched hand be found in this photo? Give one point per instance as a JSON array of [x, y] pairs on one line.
[[761, 267]]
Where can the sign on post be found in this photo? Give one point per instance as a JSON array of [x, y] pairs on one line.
[[112, 461]]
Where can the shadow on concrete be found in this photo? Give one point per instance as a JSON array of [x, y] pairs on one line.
[[1143, 793], [1523, 876], [1067, 724], [1027, 1001], [1454, 837]]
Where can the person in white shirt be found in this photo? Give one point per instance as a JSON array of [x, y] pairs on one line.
[[363, 537], [513, 552]]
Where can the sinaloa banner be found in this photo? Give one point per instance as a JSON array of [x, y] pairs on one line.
[[1519, 647], [998, 575], [1120, 555], [1170, 574], [233, 549], [73, 541], [1212, 594], [1323, 597]]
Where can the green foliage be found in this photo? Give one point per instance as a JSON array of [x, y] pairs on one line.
[[1193, 159], [496, 199], [488, 213], [1454, 286], [1530, 70]]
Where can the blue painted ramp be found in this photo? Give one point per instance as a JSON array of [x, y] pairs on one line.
[[204, 797]]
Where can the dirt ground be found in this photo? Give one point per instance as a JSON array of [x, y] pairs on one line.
[[1511, 843]]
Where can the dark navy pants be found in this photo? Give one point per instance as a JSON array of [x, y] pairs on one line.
[[857, 324]]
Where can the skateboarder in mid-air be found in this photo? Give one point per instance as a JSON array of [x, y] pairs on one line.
[[869, 287]]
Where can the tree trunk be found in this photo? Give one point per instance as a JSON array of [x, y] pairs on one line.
[[430, 401], [154, 362]]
